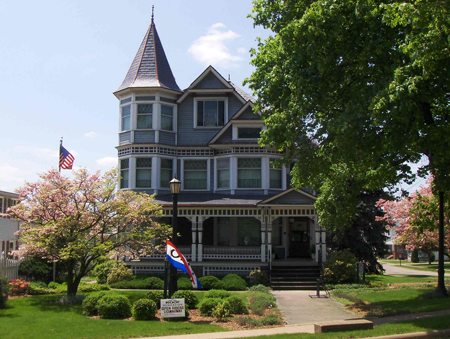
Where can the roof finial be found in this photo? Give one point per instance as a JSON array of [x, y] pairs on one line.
[[153, 10]]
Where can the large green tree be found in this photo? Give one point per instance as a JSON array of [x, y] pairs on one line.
[[355, 91]]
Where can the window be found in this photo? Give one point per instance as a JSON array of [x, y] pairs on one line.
[[195, 174], [124, 166], [126, 114], [275, 176], [1, 205], [249, 132], [166, 172], [249, 173], [249, 232], [167, 118], [143, 172], [223, 173], [210, 113], [144, 116]]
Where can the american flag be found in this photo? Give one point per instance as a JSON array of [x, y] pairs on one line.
[[65, 158]]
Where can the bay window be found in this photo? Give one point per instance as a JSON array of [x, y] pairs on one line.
[[144, 116], [275, 176], [124, 172], [143, 172], [249, 173], [195, 174], [166, 172], [167, 118], [223, 173], [126, 117]]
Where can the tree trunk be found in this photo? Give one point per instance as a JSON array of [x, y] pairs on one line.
[[72, 280], [441, 290]]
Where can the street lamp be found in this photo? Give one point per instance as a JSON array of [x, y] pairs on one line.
[[175, 185]]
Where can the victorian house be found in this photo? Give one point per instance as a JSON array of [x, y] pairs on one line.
[[236, 209]]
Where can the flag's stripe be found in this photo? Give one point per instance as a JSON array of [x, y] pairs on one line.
[[181, 256], [65, 158]]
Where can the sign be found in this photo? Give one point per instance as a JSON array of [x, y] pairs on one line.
[[172, 308]]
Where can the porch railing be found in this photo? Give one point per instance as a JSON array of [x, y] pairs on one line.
[[232, 252]]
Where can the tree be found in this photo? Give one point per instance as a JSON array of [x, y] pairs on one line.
[[75, 221], [355, 91], [415, 220], [366, 237]]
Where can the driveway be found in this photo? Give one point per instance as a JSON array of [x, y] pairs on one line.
[[396, 269]]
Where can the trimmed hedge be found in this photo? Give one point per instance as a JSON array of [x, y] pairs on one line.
[[152, 283], [237, 304], [184, 283], [156, 296], [114, 307], [144, 309], [90, 303], [208, 305], [209, 282], [221, 294], [233, 282], [190, 299], [119, 272]]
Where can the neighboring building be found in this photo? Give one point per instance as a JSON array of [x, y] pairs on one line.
[[397, 251], [237, 212], [8, 241]]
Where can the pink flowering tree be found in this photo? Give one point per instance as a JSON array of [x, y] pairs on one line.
[[75, 221], [415, 220]]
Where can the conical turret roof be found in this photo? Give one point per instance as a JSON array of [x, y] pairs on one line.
[[150, 67]]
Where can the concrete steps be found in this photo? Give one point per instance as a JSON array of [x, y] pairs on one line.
[[294, 277]]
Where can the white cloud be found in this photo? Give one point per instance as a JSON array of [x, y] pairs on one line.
[[107, 162], [12, 177], [212, 48], [90, 135], [242, 50]]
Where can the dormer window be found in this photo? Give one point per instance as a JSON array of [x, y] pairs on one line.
[[210, 112], [144, 116]]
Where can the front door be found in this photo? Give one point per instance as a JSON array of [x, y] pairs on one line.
[[299, 239]]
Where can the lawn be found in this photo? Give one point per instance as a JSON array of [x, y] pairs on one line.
[[400, 279], [422, 266], [42, 317]]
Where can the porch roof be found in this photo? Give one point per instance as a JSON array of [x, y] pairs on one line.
[[205, 199]]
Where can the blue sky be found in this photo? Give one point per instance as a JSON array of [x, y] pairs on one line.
[[60, 62]]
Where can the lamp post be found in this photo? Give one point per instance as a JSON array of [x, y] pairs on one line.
[[175, 185]]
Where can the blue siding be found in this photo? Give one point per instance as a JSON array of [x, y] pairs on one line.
[[124, 138], [210, 81], [234, 105], [249, 115], [144, 137], [166, 138]]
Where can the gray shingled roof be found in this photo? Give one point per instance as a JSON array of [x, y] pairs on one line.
[[211, 199], [242, 93], [150, 67]]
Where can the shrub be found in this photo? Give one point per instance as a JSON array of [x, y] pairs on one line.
[[260, 302], [432, 257], [90, 303], [53, 285], [221, 294], [270, 320], [237, 304], [156, 296], [154, 283], [259, 288], [4, 287], [114, 307], [208, 305], [119, 273], [222, 311], [86, 288], [18, 286], [415, 256], [233, 282], [259, 277], [144, 309], [36, 288], [209, 282], [190, 299], [144, 284], [184, 283], [102, 270], [248, 322], [340, 268]]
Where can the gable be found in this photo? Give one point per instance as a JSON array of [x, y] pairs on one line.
[[210, 81], [291, 197], [248, 114]]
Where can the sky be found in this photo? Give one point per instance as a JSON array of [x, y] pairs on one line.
[[61, 61]]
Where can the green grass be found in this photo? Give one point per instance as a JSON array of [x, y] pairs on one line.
[[420, 325], [400, 279], [41, 317]]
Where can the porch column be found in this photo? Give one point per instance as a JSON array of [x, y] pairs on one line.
[[269, 240], [200, 238], [194, 239], [263, 240]]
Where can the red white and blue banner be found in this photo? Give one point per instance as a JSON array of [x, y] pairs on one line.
[[179, 262]]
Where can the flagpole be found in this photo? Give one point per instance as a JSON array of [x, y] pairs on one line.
[[59, 161]]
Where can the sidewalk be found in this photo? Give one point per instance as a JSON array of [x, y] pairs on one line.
[[396, 269]]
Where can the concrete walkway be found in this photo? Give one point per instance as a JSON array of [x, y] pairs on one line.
[[396, 269]]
